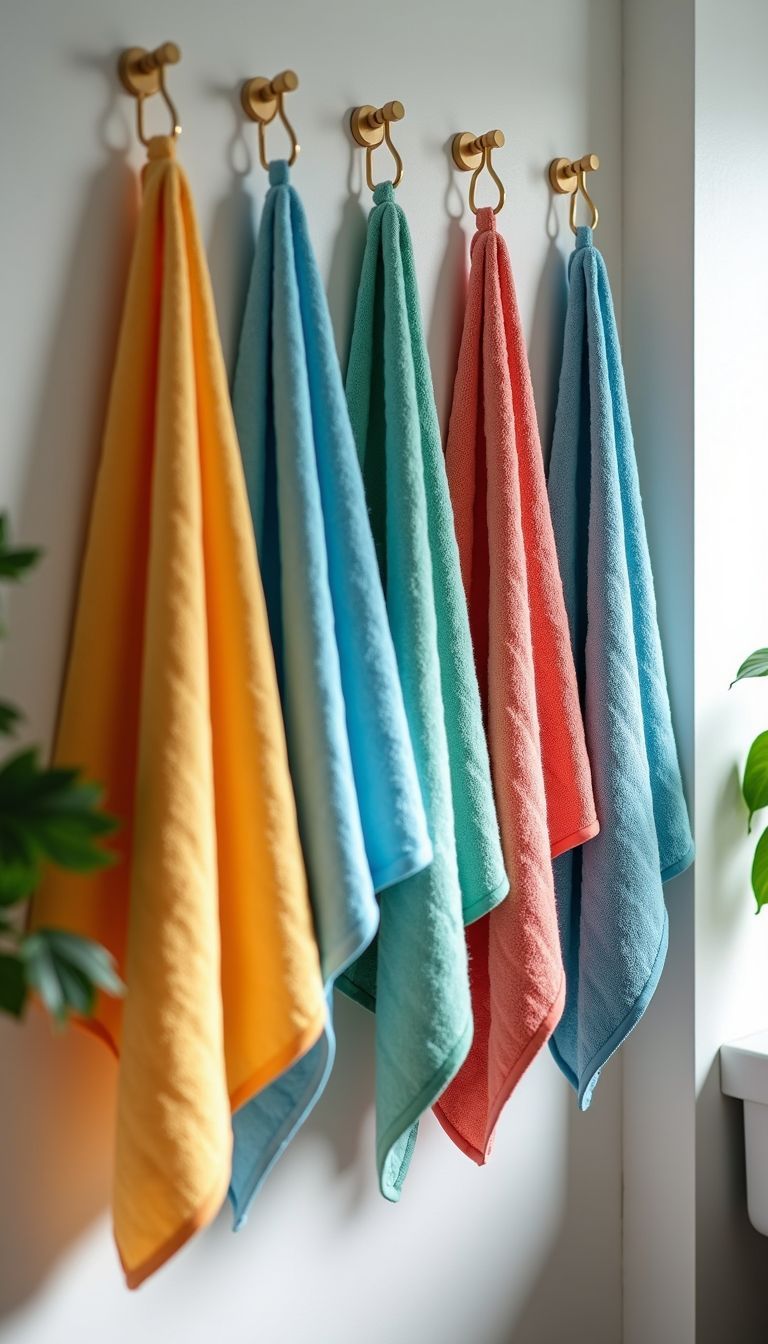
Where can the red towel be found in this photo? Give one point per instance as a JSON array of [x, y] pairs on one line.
[[527, 679]]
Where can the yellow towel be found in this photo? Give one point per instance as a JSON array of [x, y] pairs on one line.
[[171, 702]]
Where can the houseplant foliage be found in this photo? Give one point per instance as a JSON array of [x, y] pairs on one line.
[[755, 785], [47, 816]]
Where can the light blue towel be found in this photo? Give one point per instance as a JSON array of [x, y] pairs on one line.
[[415, 975], [359, 805], [613, 920]]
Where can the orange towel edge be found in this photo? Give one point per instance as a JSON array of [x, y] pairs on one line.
[[297, 1047], [579, 837], [199, 1219], [539, 1039], [210, 1207]]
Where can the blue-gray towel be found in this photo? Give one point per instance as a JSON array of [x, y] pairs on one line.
[[361, 817], [613, 920]]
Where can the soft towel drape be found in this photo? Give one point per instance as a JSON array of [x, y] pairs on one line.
[[613, 919], [171, 701], [415, 974], [527, 679], [360, 811]]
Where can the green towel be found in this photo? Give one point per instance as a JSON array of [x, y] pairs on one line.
[[415, 974]]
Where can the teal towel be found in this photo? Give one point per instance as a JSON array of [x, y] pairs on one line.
[[359, 804], [415, 974], [613, 920]]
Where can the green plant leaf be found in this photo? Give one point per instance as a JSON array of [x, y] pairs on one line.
[[14, 563], [760, 872], [50, 814], [67, 970], [18, 880], [756, 665], [755, 786], [93, 960], [9, 717], [13, 984]]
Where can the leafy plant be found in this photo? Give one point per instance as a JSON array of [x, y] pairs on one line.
[[47, 815], [755, 784]]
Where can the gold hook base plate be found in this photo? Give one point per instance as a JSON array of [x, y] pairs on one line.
[[464, 156], [362, 131], [136, 81], [562, 178], [254, 105]]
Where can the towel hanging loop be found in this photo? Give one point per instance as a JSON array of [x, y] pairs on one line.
[[142, 73], [370, 128], [474, 152], [262, 101], [569, 178]]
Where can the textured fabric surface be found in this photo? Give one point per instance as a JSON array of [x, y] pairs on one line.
[[171, 701], [541, 774], [613, 919], [360, 811], [415, 974]]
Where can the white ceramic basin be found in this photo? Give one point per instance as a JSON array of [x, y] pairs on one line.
[[744, 1074]]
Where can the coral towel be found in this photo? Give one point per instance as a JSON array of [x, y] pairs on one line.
[[171, 700], [415, 974], [360, 812], [611, 904], [527, 680]]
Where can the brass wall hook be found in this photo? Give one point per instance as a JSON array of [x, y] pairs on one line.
[[370, 128], [473, 152], [262, 101], [569, 178], [142, 73]]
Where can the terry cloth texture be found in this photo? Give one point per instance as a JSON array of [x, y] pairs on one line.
[[519, 626], [613, 920], [415, 974], [171, 702], [360, 812]]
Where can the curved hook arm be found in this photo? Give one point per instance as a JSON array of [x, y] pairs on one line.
[[486, 162], [398, 177], [582, 187], [295, 146], [167, 99]]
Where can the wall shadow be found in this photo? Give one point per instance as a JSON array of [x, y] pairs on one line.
[[347, 257], [545, 350], [232, 238], [56, 1151], [70, 409], [447, 318]]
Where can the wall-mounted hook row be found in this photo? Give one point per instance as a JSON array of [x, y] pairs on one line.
[[142, 73]]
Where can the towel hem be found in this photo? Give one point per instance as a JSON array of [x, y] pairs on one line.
[[536, 1043], [290, 1054], [679, 865], [484, 904], [195, 1223], [408, 865], [576, 838], [421, 1103], [346, 953], [347, 986], [586, 1082], [241, 1204]]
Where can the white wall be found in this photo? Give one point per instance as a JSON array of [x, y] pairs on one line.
[[528, 1249], [731, 620], [658, 243]]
